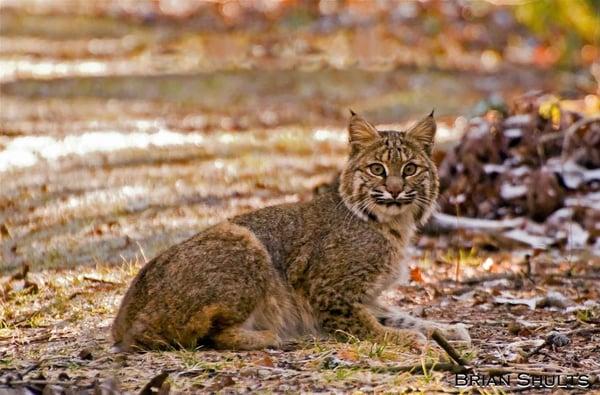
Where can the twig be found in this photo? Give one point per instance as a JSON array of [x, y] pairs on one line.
[[551, 136], [441, 222], [439, 367], [31, 382], [538, 349], [100, 280], [451, 351], [518, 275], [583, 331], [28, 340], [571, 130], [420, 368], [460, 291], [491, 277], [566, 133], [550, 356], [500, 371], [568, 275]]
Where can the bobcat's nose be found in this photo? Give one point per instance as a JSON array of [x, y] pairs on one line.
[[394, 186]]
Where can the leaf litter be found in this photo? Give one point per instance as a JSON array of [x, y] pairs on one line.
[[55, 320], [523, 164], [85, 199]]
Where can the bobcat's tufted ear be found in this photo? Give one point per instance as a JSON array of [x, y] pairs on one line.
[[424, 132], [361, 132]]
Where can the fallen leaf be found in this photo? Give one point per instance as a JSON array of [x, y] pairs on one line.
[[265, 360], [348, 355], [416, 275], [224, 381]]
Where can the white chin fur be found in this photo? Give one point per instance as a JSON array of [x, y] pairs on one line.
[[387, 214]]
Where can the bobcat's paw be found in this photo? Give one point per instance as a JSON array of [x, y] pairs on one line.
[[457, 332], [117, 348]]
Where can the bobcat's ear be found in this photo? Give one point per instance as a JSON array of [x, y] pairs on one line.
[[424, 132], [361, 132]]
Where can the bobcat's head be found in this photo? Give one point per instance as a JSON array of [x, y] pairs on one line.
[[390, 173]]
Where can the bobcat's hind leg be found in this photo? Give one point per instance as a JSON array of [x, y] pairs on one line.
[[155, 332], [238, 338]]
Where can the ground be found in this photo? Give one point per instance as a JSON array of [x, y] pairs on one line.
[[121, 134], [56, 330]]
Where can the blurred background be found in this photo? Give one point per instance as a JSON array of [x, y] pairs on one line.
[[126, 126]]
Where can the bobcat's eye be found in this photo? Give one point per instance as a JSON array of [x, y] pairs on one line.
[[409, 169], [377, 169]]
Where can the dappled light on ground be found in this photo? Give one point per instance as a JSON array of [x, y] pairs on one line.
[[126, 127]]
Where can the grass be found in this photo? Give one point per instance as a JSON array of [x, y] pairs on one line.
[[67, 312], [192, 359], [340, 374]]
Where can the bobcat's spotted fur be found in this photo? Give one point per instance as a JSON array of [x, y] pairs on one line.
[[309, 268]]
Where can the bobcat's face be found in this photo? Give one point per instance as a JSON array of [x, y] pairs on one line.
[[390, 173]]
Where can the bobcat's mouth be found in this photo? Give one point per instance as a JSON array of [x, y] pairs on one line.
[[403, 199], [392, 202]]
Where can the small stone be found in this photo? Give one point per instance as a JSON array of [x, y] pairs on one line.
[[332, 362], [558, 339]]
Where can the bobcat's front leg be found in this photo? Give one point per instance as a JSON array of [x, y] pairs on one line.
[[400, 319], [357, 320]]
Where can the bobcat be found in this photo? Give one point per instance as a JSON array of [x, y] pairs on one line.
[[266, 277]]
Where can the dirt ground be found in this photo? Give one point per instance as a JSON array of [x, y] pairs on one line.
[[84, 217], [120, 141], [55, 332]]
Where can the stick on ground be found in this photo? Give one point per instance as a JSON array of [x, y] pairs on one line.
[[421, 368], [451, 351]]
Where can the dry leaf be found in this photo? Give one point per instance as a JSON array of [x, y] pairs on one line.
[[416, 275], [348, 355], [265, 360]]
